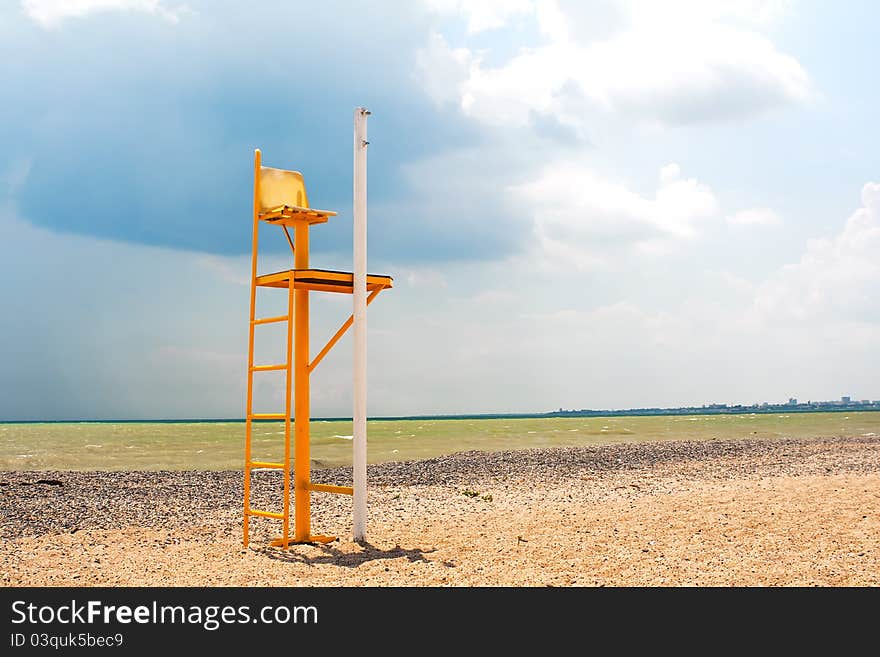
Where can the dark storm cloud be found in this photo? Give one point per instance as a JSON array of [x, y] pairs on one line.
[[140, 130]]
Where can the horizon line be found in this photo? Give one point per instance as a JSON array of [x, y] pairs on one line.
[[711, 409]]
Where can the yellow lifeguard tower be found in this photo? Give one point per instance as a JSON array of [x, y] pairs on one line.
[[280, 200]]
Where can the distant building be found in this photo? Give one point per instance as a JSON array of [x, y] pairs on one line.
[[845, 400]]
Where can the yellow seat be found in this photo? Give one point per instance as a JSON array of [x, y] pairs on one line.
[[283, 199]]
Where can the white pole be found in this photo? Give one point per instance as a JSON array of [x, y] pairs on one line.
[[359, 413]]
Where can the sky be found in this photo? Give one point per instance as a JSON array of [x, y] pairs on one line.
[[605, 204]]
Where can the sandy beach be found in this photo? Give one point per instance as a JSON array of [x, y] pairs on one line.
[[707, 513]]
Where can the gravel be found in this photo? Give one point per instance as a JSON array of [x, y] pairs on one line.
[[46, 502], [762, 512]]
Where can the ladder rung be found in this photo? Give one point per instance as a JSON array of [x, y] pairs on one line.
[[267, 416], [267, 464], [328, 488], [265, 514], [269, 320], [268, 368]]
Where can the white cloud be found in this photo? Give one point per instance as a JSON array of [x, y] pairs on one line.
[[50, 13], [448, 68], [483, 15], [748, 12], [584, 220], [428, 278], [755, 217], [836, 280], [671, 64]]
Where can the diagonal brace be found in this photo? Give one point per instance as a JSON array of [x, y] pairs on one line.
[[339, 334], [289, 241]]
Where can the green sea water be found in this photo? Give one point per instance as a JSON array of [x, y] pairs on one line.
[[220, 445]]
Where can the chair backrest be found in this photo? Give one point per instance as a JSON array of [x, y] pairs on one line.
[[282, 187]]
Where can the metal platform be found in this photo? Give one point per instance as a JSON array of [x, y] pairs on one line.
[[321, 280]]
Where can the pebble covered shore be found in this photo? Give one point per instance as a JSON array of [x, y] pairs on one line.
[[705, 512]]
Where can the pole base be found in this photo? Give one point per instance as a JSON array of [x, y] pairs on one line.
[[278, 542]]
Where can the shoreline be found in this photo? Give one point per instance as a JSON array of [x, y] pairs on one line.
[[682, 411], [562, 516]]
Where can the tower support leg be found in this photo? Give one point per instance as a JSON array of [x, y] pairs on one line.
[[302, 463]]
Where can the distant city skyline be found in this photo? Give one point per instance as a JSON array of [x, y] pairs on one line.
[[845, 403], [793, 401]]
